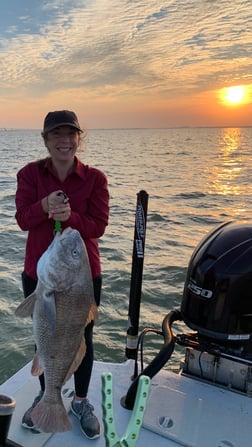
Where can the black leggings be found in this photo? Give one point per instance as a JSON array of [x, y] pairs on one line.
[[83, 374]]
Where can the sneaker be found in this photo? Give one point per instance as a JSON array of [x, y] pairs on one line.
[[89, 423], [27, 420]]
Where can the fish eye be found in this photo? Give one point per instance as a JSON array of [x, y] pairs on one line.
[[75, 252]]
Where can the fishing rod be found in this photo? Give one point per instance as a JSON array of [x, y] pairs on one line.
[[136, 274]]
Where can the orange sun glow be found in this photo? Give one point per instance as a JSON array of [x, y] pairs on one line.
[[233, 95]]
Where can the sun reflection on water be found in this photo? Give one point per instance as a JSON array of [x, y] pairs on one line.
[[227, 170]]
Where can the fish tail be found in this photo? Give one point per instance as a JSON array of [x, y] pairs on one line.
[[50, 417]]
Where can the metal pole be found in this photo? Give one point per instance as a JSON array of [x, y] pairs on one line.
[[136, 274]]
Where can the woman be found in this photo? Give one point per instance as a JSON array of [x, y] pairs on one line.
[[61, 188]]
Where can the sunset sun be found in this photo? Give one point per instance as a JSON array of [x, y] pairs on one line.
[[235, 95]]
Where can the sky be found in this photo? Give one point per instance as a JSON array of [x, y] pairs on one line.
[[126, 63]]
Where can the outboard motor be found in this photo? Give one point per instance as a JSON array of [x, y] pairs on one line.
[[217, 299], [217, 306]]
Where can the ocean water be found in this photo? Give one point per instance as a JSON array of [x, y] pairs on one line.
[[195, 178]]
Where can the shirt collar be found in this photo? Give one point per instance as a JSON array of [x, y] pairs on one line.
[[77, 168]]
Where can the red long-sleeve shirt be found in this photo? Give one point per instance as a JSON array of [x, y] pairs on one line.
[[87, 190]]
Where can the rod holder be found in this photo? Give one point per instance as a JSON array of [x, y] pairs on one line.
[[7, 407]]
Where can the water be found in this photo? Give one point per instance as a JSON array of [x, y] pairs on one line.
[[195, 178]]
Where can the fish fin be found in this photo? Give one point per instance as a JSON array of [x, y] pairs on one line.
[[93, 313], [36, 369], [25, 309], [77, 360], [50, 417], [50, 310]]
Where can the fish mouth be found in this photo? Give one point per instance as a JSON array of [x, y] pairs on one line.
[[67, 231], [62, 234]]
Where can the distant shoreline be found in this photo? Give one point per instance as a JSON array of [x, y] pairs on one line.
[[15, 129]]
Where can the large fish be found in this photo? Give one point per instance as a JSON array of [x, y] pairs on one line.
[[62, 305]]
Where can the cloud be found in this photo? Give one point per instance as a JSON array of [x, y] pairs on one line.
[[118, 49]]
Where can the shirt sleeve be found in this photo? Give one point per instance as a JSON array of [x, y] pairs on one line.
[[93, 223], [29, 211]]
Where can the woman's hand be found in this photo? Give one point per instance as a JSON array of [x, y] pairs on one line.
[[57, 206]]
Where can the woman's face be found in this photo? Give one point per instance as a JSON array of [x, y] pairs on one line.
[[62, 143]]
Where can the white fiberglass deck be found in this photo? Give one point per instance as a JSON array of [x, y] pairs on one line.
[[180, 410]]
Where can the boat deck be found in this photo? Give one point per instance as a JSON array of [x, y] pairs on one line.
[[179, 411], [23, 387]]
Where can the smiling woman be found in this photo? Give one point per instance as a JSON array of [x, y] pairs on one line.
[[236, 95], [60, 191]]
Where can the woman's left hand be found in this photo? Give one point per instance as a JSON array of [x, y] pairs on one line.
[[61, 212], [58, 206]]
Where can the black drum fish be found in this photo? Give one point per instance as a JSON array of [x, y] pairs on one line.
[[61, 306]]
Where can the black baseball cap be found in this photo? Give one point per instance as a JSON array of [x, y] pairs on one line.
[[60, 118]]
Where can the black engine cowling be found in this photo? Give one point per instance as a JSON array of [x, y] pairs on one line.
[[217, 298]]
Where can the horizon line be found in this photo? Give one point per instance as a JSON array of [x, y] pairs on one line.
[[5, 129]]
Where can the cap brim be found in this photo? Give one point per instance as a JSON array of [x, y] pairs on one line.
[[50, 128]]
